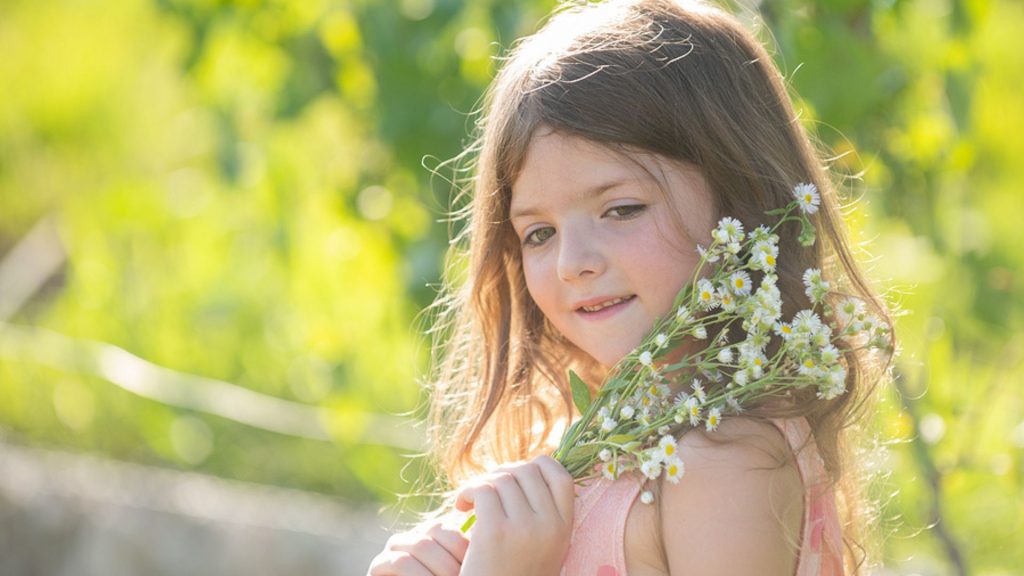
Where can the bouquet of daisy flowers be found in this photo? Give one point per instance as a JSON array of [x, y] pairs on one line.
[[630, 425]]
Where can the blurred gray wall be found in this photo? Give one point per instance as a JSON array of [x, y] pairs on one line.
[[73, 515]]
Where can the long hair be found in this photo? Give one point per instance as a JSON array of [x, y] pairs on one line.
[[683, 80]]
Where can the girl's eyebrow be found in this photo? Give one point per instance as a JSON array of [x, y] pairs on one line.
[[594, 191]]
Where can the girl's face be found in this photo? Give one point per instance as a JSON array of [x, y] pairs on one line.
[[602, 254]]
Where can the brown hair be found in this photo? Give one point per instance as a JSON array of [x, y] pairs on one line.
[[685, 81]]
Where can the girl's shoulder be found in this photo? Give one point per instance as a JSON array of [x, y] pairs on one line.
[[737, 509], [738, 441]]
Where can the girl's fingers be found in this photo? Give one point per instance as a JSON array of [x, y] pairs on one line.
[[433, 557], [422, 553], [513, 500], [453, 541], [395, 563], [535, 488], [560, 483], [483, 499]]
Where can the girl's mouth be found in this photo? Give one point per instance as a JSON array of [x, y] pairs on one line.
[[605, 309]]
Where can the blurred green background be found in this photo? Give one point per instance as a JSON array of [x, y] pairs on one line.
[[218, 223]]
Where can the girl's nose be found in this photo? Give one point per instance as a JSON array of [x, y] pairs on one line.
[[578, 257]]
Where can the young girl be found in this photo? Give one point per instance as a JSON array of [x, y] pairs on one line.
[[613, 140]]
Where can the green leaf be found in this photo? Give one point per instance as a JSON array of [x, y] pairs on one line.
[[807, 234], [582, 452], [580, 392], [615, 384]]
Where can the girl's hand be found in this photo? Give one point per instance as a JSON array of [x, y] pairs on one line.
[[524, 514], [432, 550]]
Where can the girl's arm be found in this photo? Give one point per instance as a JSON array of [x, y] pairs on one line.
[[738, 508]]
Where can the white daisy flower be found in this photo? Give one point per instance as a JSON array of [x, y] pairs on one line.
[[765, 261], [681, 399], [674, 470], [837, 375], [646, 497], [784, 329], [870, 323], [808, 367], [693, 407], [661, 340], [608, 424], [667, 447], [728, 302], [740, 378], [756, 371], [725, 355], [700, 333], [815, 286], [808, 198], [698, 390], [610, 470], [739, 283], [733, 404], [682, 314], [812, 276], [806, 322], [605, 455], [714, 418], [706, 294], [708, 255], [834, 385], [627, 412], [728, 230], [651, 469], [763, 234], [758, 340], [822, 336], [848, 310], [764, 256], [646, 358]]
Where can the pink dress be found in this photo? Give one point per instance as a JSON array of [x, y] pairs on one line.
[[601, 508]]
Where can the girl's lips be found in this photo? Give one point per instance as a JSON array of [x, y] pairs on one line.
[[606, 312]]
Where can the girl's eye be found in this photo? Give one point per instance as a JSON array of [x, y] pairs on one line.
[[627, 211], [541, 235], [538, 236]]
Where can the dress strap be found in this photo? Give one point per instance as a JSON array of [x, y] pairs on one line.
[[599, 527], [821, 544]]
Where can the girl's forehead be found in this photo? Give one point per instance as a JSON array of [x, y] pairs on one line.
[[556, 159], [572, 160]]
